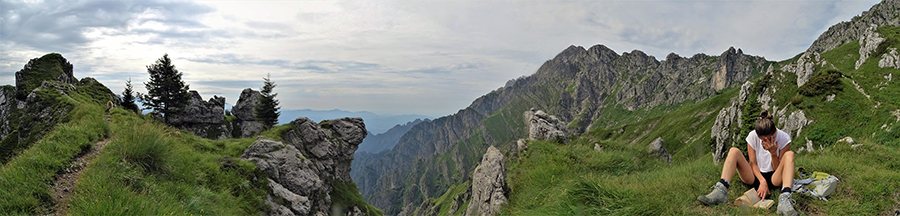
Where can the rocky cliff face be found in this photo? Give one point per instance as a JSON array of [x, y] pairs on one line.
[[305, 167], [577, 86]]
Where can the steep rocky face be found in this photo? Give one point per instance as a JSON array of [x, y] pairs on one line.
[[8, 106], [884, 13], [542, 126], [303, 169], [245, 111], [578, 85], [489, 189]]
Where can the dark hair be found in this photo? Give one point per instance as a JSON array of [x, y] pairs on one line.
[[765, 126]]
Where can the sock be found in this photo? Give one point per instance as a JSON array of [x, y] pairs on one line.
[[725, 182], [786, 189]]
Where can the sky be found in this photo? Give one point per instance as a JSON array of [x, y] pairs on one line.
[[388, 57]]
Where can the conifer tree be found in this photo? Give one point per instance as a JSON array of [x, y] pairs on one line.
[[128, 98], [267, 108], [166, 92]]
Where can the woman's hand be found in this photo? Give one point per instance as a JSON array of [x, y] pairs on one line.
[[770, 146], [763, 189]]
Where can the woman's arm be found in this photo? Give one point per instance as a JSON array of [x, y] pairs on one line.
[[763, 185]]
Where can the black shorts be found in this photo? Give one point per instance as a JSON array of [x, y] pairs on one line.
[[768, 177]]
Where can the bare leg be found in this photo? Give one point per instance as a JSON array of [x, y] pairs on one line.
[[784, 174], [735, 161]]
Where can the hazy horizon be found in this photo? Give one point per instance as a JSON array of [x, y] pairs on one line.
[[428, 58]]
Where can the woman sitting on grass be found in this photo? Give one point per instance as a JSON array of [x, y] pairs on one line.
[[771, 166]]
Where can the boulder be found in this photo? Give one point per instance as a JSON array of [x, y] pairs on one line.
[[656, 149], [543, 126], [489, 188], [303, 168]]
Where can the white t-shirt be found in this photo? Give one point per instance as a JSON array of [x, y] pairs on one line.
[[763, 157]]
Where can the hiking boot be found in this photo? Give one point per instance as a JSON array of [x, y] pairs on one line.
[[786, 205], [719, 195]]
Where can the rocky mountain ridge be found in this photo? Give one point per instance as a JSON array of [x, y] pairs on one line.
[[578, 85], [39, 100]]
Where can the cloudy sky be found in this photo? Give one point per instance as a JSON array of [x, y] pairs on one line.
[[388, 57]]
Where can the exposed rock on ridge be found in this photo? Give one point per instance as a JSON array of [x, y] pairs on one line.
[[203, 118], [542, 126], [303, 168], [489, 189], [245, 111]]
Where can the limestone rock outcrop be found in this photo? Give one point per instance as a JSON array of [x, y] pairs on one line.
[[868, 42], [543, 126], [728, 118], [489, 188], [890, 59], [245, 111], [656, 149], [805, 66], [303, 169], [795, 122]]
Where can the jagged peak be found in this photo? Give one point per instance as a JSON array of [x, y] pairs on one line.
[[570, 51], [672, 56]]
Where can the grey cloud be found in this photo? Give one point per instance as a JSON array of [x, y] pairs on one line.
[[59, 26], [317, 66]]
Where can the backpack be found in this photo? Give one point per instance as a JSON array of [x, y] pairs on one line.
[[815, 184]]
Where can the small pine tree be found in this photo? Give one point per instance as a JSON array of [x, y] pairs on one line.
[[267, 108], [166, 92], [128, 98]]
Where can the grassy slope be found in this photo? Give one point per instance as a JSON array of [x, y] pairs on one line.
[[146, 169], [573, 179], [151, 169]]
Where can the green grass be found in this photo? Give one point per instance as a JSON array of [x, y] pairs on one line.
[[26, 180], [151, 169], [573, 179], [347, 194]]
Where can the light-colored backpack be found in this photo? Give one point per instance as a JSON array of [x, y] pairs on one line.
[[815, 184]]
